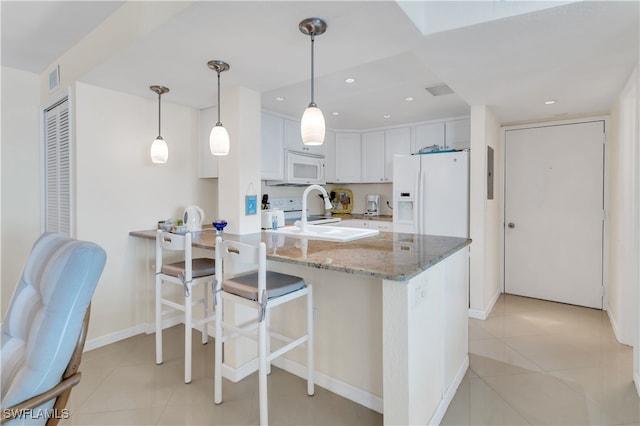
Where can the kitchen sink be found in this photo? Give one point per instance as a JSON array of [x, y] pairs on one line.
[[326, 232]]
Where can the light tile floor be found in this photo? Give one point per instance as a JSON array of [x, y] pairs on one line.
[[532, 362]]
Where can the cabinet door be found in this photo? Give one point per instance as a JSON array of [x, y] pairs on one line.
[[208, 162], [272, 151], [354, 223], [293, 139], [427, 135], [330, 156], [458, 134], [373, 159], [396, 142], [382, 225], [348, 153]]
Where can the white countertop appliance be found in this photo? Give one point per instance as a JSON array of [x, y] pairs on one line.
[[431, 193], [268, 218], [372, 205], [193, 218]]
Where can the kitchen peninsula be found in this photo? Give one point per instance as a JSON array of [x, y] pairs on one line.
[[390, 316]]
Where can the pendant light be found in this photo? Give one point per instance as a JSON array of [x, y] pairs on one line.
[[219, 137], [312, 126], [159, 149]]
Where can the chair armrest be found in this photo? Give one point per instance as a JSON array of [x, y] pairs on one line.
[[11, 413]]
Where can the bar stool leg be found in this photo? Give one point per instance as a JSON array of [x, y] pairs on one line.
[[262, 373], [158, 320], [188, 308], [310, 386]]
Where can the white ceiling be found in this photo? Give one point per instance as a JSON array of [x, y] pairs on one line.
[[509, 55]]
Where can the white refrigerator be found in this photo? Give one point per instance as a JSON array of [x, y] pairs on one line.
[[431, 193]]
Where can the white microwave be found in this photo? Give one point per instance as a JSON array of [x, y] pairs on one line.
[[302, 169]]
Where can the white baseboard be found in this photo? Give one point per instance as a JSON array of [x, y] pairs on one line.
[[147, 328], [477, 314], [107, 339], [336, 386], [441, 409], [483, 315]]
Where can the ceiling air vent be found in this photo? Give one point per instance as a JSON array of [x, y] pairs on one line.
[[439, 90]]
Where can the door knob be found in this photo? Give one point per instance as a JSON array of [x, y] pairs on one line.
[[511, 225]]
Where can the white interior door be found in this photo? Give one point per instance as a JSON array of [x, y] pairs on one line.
[[554, 216]]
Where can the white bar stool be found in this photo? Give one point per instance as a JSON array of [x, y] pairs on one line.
[[187, 274], [261, 290]]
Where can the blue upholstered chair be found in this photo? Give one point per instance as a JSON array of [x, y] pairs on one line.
[[43, 331]]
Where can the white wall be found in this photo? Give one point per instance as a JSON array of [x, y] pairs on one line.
[[623, 220], [120, 190], [493, 216], [20, 177], [485, 216]]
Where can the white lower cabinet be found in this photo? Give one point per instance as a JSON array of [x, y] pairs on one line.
[[380, 225]]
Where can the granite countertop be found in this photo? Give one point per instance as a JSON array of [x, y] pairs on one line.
[[388, 255]]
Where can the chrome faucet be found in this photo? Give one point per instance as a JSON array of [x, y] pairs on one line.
[[327, 204]]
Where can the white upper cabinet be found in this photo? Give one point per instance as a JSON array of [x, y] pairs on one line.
[[396, 142], [458, 134], [330, 156], [272, 153], [348, 161], [207, 118], [373, 159], [452, 134], [428, 134], [293, 139], [378, 149]]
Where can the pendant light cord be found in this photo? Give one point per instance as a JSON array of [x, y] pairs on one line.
[[159, 116], [313, 102], [218, 123]]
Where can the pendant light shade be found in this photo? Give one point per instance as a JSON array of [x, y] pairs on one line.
[[219, 137], [159, 151], [312, 127], [219, 140], [159, 148]]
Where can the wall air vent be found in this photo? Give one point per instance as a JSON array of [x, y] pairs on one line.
[[439, 90], [54, 79]]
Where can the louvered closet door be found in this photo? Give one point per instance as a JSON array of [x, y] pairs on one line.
[[57, 163]]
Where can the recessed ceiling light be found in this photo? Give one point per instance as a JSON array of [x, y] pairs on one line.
[[387, 116], [350, 80], [550, 102], [335, 113], [279, 98], [409, 98]]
